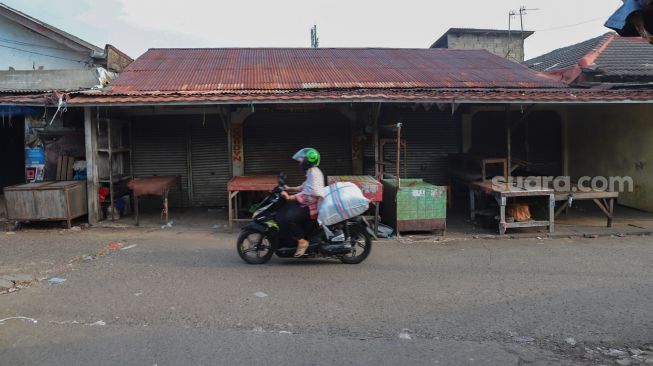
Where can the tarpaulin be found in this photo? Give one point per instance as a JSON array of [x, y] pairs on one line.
[[633, 19]]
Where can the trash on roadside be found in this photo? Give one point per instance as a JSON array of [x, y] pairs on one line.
[[128, 247], [284, 332], [19, 318], [99, 322], [56, 280], [76, 228], [570, 341], [523, 339], [405, 334], [169, 224], [114, 246], [261, 295], [10, 232], [385, 231]]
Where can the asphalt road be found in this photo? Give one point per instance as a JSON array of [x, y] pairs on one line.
[[186, 298]]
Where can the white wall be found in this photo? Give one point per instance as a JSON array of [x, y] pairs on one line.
[[65, 58]]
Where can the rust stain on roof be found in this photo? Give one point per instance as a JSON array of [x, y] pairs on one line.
[[231, 69]]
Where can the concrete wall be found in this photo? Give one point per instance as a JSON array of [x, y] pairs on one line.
[[613, 141], [49, 79], [498, 45], [23, 49]]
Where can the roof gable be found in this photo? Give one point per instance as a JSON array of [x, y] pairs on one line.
[[50, 31]]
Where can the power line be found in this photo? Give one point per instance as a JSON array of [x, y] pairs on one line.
[[43, 54], [570, 25], [6, 40]]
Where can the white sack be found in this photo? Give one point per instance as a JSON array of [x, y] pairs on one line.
[[342, 201]]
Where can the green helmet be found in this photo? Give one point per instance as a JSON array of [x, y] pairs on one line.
[[308, 157]]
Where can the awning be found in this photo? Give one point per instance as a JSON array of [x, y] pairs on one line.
[[457, 96]]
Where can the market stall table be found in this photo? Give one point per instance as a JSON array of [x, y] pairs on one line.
[[372, 190], [603, 199], [262, 183], [153, 186], [501, 192]]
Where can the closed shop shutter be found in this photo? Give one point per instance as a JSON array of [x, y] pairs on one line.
[[431, 136], [271, 138], [209, 162], [159, 148]]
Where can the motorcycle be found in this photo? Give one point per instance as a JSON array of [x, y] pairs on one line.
[[349, 241]]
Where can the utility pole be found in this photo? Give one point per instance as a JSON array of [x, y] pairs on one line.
[[315, 41]]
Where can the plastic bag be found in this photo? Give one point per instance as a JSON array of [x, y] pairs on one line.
[[342, 201]]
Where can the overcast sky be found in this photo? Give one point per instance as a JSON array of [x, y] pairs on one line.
[[136, 25]]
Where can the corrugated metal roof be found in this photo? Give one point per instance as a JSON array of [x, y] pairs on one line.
[[373, 95], [27, 99], [234, 69]]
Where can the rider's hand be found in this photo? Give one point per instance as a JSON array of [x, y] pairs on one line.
[[285, 195]]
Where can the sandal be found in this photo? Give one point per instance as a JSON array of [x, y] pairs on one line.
[[302, 245]]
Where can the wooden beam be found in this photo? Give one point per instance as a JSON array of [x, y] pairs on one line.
[[92, 176]]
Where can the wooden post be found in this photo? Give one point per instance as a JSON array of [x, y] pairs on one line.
[[92, 178]]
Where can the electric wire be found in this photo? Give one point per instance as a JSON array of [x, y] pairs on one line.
[[44, 54], [21, 43], [570, 25]]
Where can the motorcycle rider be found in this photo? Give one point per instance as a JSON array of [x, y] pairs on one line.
[[300, 208]]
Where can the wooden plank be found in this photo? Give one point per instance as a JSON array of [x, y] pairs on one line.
[[69, 168], [59, 166]]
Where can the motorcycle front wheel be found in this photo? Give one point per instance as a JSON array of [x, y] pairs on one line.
[[254, 247], [361, 246]]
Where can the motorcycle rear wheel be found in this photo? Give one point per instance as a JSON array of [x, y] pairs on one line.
[[361, 243], [249, 242]]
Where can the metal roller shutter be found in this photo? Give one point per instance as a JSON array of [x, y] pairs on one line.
[[209, 162], [271, 138], [159, 148], [431, 136]]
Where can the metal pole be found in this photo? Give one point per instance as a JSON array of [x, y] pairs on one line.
[[509, 138], [398, 155]]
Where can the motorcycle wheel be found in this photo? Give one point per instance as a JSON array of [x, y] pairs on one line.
[[361, 243], [254, 247]]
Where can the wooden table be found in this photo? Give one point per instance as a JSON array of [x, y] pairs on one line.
[[501, 192], [603, 199], [261, 183], [154, 186], [372, 190]]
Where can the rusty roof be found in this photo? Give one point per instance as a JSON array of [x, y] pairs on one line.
[[552, 96], [234, 69]]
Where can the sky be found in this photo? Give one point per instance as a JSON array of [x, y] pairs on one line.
[[133, 26]]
